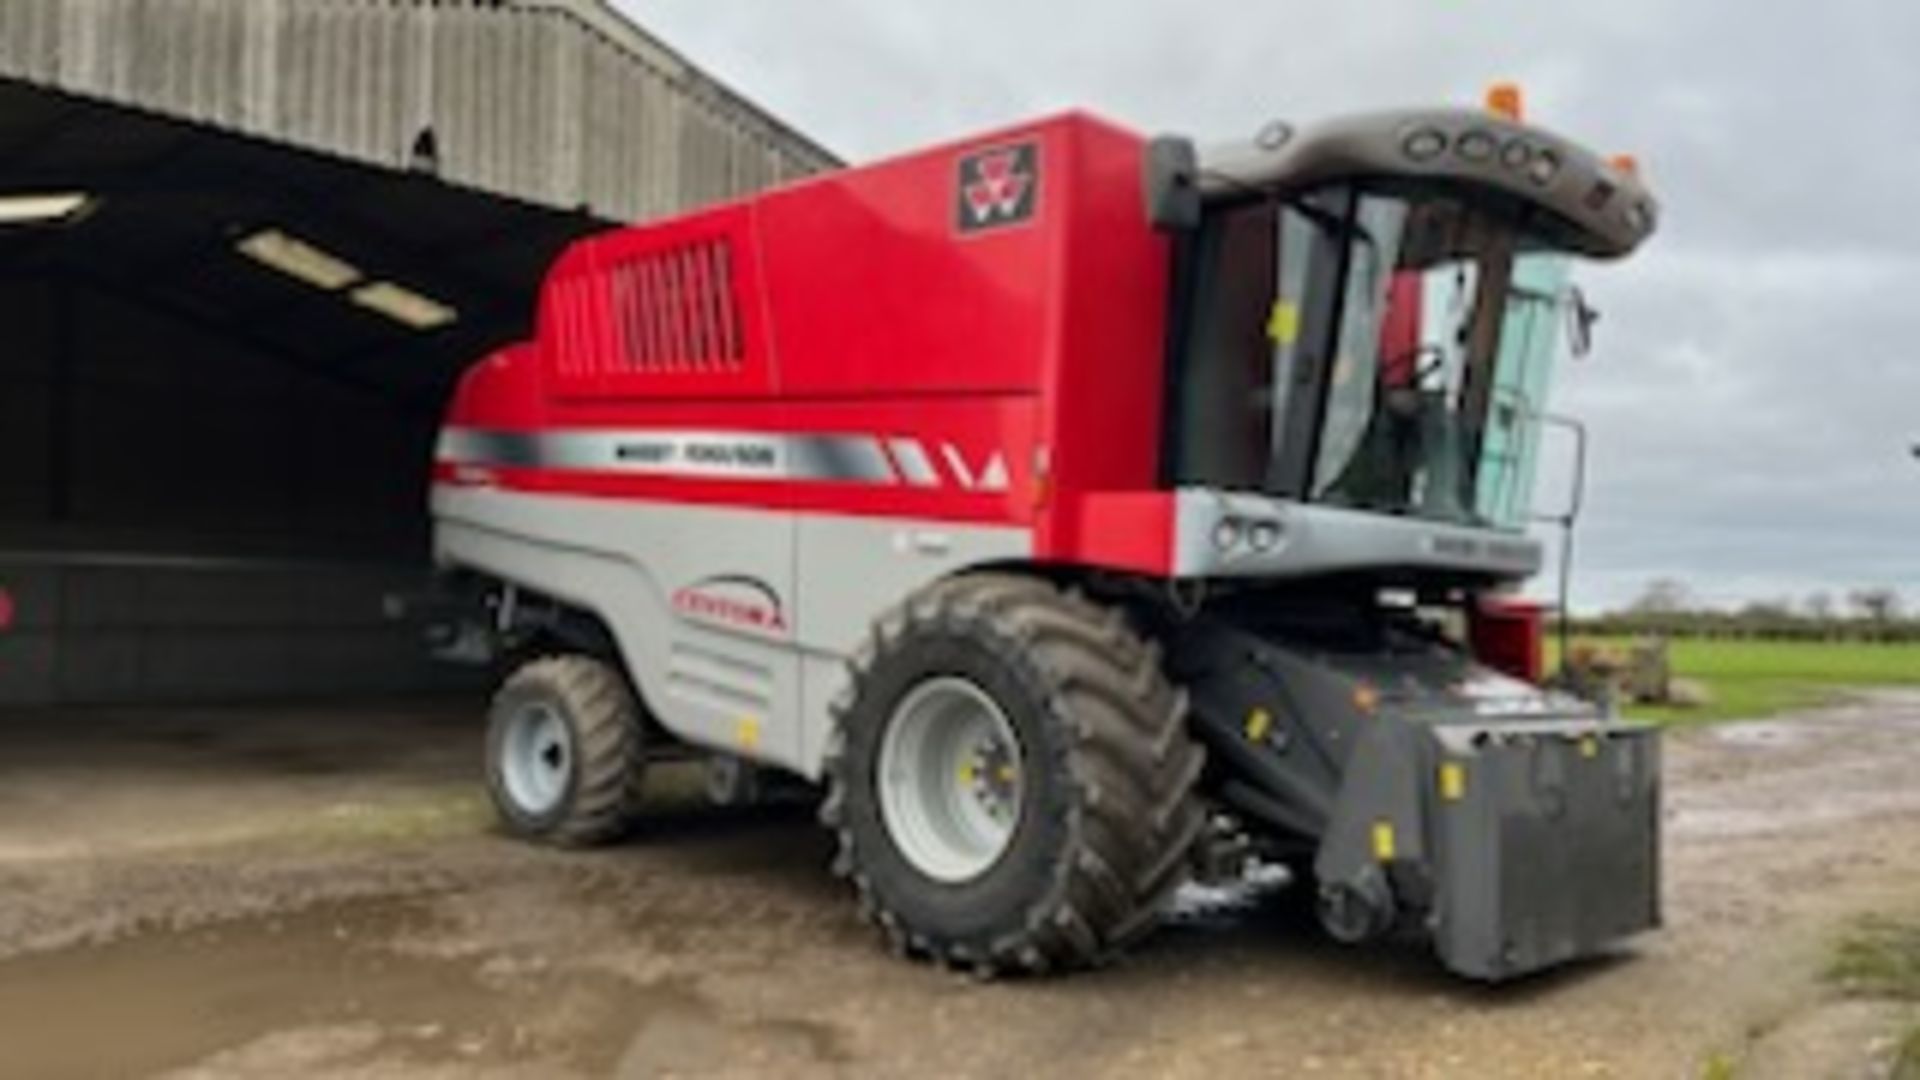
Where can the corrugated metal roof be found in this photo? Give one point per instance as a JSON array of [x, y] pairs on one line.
[[561, 102]]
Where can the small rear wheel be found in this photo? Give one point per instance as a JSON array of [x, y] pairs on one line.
[[565, 752], [1012, 779]]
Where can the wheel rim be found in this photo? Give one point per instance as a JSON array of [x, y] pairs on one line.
[[951, 779], [536, 758]]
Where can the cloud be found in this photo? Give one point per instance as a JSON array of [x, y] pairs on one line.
[[1758, 378]]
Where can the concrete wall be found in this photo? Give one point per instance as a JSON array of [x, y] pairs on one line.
[[182, 518], [144, 632], [561, 102]]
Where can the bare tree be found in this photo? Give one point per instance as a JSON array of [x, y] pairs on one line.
[[1877, 605], [1662, 596], [1820, 606]]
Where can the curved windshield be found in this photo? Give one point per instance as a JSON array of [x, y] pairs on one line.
[[1384, 352]]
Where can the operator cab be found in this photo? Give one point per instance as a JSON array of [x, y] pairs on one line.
[[1367, 318]]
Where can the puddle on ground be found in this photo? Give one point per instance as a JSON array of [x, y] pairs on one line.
[[1766, 734], [161, 1000], [1801, 813]]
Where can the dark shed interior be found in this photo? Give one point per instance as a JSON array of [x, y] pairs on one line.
[[222, 365]]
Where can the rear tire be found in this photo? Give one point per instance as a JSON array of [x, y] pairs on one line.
[[1101, 778], [565, 752]]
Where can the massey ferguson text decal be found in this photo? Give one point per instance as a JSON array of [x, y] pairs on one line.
[[999, 187], [717, 456], [734, 600], [866, 459], [708, 455]]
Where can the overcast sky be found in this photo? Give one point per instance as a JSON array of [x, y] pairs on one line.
[[1756, 385]]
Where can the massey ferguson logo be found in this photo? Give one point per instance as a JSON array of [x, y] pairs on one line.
[[738, 601], [999, 187]]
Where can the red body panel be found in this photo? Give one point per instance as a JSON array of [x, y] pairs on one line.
[[874, 294], [1508, 635], [1122, 531], [1028, 350], [506, 390]]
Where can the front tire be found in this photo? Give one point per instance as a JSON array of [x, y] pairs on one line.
[[565, 752], [1012, 779]]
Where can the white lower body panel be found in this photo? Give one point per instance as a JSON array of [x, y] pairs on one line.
[[735, 624]]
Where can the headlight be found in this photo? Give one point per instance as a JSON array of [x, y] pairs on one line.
[[1546, 166], [1425, 144], [1477, 146], [1226, 535], [1264, 536]]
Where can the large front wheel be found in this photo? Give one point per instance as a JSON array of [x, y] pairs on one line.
[[1012, 781]]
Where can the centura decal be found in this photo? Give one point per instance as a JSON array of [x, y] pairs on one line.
[[735, 600], [999, 187]]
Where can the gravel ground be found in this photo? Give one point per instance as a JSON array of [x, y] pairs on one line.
[[265, 893]]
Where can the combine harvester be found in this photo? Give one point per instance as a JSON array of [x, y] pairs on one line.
[[1084, 512]]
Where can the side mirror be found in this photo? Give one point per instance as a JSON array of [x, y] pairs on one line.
[[1581, 318], [1173, 184]]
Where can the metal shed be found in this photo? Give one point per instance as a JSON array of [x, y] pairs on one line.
[[245, 248]]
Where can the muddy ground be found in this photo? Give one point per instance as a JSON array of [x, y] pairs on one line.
[[249, 892]]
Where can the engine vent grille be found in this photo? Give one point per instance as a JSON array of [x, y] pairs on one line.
[[573, 307], [674, 311]]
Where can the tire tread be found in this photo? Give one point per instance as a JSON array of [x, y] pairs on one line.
[[1129, 742]]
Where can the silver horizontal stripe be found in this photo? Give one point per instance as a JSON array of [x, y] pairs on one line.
[[712, 455], [849, 458], [914, 463]]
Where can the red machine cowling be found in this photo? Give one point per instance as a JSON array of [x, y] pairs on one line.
[[999, 302]]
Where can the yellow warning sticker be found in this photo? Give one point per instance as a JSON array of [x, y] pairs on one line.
[[1589, 748], [1283, 326], [1453, 781], [747, 733], [1259, 725], [1384, 845]]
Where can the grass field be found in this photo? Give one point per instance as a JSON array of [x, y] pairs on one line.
[[1753, 679]]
